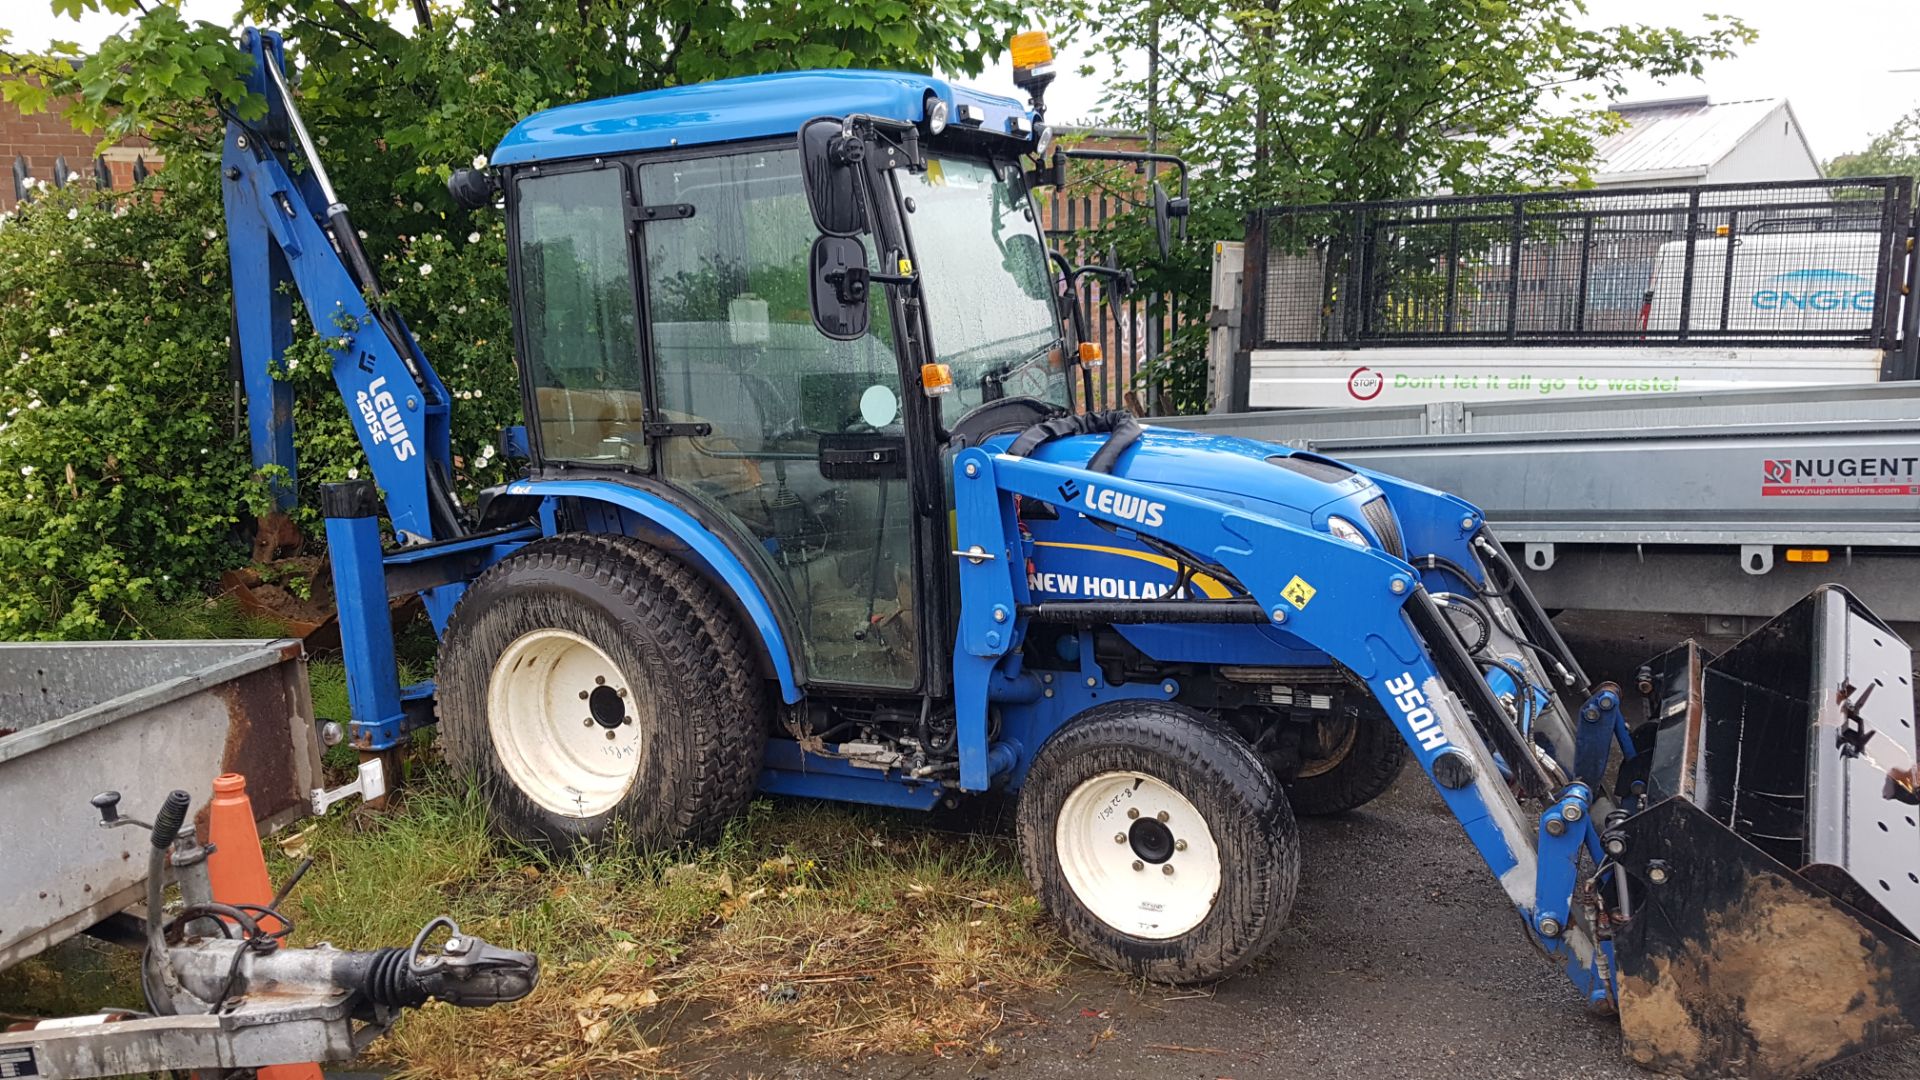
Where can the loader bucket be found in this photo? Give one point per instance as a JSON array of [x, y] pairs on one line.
[[1776, 867]]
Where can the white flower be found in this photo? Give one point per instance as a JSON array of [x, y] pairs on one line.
[[479, 161], [120, 211], [473, 238], [363, 234], [35, 403], [26, 470], [322, 140], [72, 176], [353, 474], [425, 269], [476, 394], [73, 214], [292, 364], [146, 266], [210, 234], [417, 207], [54, 332], [13, 412]]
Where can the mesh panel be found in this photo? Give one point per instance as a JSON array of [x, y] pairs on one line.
[[1779, 263], [1323, 471], [1381, 520]]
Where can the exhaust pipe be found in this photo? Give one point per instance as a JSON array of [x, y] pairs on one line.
[[1774, 851]]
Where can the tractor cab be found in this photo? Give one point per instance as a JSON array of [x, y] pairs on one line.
[[694, 318]]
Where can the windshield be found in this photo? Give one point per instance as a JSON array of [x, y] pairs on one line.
[[989, 289]]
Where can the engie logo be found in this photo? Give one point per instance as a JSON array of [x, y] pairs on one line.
[[382, 417], [1815, 290], [1121, 505], [1413, 708], [1365, 383]]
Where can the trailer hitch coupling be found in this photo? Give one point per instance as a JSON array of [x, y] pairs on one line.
[[1775, 852]]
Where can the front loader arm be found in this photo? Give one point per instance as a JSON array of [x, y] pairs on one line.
[[1363, 608], [278, 236]]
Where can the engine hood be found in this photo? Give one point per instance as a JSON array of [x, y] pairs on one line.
[[1300, 488]]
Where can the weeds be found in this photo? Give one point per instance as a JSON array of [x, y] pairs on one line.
[[816, 930]]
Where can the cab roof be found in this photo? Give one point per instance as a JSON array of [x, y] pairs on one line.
[[728, 110]]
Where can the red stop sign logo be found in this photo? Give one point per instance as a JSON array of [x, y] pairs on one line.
[[1365, 383]]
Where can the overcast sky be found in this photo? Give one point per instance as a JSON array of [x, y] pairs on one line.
[[1833, 59]]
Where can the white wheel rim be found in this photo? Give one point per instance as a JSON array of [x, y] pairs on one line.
[[1110, 836], [561, 717]]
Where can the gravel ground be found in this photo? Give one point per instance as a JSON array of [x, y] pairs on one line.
[[1403, 959]]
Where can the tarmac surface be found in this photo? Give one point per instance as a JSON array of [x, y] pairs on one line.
[[1402, 959]]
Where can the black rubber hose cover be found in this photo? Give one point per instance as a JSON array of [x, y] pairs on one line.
[[173, 814]]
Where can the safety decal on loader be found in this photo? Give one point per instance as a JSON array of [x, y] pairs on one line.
[[1298, 593]]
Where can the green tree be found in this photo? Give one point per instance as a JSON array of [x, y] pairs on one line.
[[122, 477], [1894, 152], [1296, 101]]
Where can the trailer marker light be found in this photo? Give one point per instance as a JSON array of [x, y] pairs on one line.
[[1808, 555], [1091, 356]]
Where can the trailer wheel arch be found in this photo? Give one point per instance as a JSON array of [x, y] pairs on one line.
[[674, 529]]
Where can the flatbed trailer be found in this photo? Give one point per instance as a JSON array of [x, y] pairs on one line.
[[1662, 503]]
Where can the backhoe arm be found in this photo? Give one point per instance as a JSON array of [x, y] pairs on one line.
[[287, 228]]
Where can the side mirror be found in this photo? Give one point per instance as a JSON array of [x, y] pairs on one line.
[[472, 189], [838, 282], [830, 163], [1162, 220]]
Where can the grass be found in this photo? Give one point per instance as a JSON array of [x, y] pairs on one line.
[[811, 930]]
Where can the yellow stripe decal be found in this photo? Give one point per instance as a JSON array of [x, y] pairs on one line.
[[1208, 585]]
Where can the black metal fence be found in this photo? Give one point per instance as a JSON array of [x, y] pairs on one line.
[[1796, 262], [25, 182]]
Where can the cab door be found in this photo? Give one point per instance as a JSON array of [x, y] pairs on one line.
[[787, 436]]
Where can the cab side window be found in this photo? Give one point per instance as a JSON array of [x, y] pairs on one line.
[[577, 311]]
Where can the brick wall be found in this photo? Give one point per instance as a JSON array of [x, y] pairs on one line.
[[43, 137]]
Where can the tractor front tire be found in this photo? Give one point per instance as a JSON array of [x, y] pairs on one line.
[[598, 689], [1159, 841], [1359, 767]]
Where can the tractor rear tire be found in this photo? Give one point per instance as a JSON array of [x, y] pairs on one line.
[[597, 689], [1159, 841], [1360, 771]]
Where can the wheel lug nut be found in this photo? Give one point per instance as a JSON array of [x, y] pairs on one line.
[[1119, 838], [1138, 865], [610, 736], [584, 695], [1162, 815], [623, 691], [627, 720], [1167, 869], [588, 721], [1179, 845], [599, 680], [1133, 811]]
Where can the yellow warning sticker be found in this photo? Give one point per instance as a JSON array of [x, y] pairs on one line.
[[1298, 592]]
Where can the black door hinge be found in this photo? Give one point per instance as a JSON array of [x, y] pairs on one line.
[[662, 429], [662, 212]]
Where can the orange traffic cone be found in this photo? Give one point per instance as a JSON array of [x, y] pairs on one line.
[[237, 871]]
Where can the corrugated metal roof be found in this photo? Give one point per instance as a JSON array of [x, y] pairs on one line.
[[1683, 136]]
